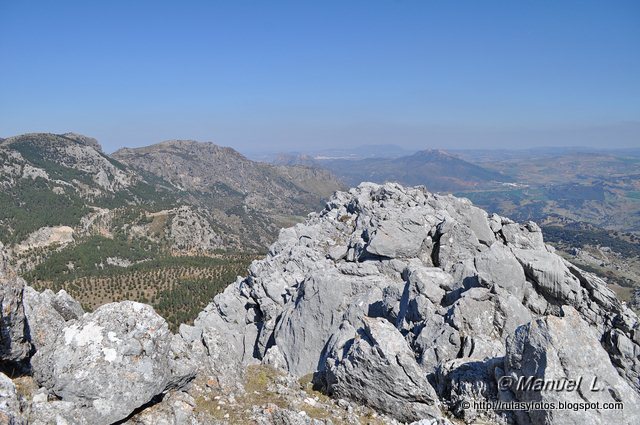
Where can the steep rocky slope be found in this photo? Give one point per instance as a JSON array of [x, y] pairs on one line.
[[49, 180], [206, 167], [260, 195], [415, 305], [69, 160]]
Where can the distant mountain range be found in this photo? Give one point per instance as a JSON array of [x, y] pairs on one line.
[[436, 169], [596, 186], [347, 152]]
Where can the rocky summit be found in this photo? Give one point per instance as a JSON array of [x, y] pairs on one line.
[[392, 305]]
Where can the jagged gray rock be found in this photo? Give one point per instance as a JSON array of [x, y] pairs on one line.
[[554, 349], [452, 281], [14, 342], [113, 361], [377, 367], [468, 380], [9, 402], [47, 314], [399, 236], [66, 306]]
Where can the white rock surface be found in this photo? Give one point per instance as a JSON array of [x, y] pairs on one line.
[[454, 282], [45, 237], [112, 361]]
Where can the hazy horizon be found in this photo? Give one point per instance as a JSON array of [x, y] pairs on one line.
[[293, 76]]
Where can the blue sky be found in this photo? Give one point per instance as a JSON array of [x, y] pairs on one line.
[[295, 75]]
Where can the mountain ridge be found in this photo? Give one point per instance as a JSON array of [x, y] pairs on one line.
[[77, 163]]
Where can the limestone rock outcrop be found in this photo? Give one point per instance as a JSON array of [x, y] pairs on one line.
[[554, 350], [112, 361], [9, 402], [446, 283], [378, 368], [14, 334], [89, 368]]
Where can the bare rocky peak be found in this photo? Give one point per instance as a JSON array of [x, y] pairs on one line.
[[85, 140], [199, 166], [48, 155], [54, 138], [417, 304], [182, 146], [413, 304], [209, 168], [190, 164]]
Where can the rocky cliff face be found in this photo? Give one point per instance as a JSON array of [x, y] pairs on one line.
[[81, 164], [415, 306]]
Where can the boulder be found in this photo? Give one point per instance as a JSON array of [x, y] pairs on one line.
[[522, 236], [552, 277], [45, 321], [309, 322], [497, 266], [435, 341], [113, 361], [376, 367], [555, 350], [399, 237], [66, 306], [461, 382], [9, 402], [455, 242]]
